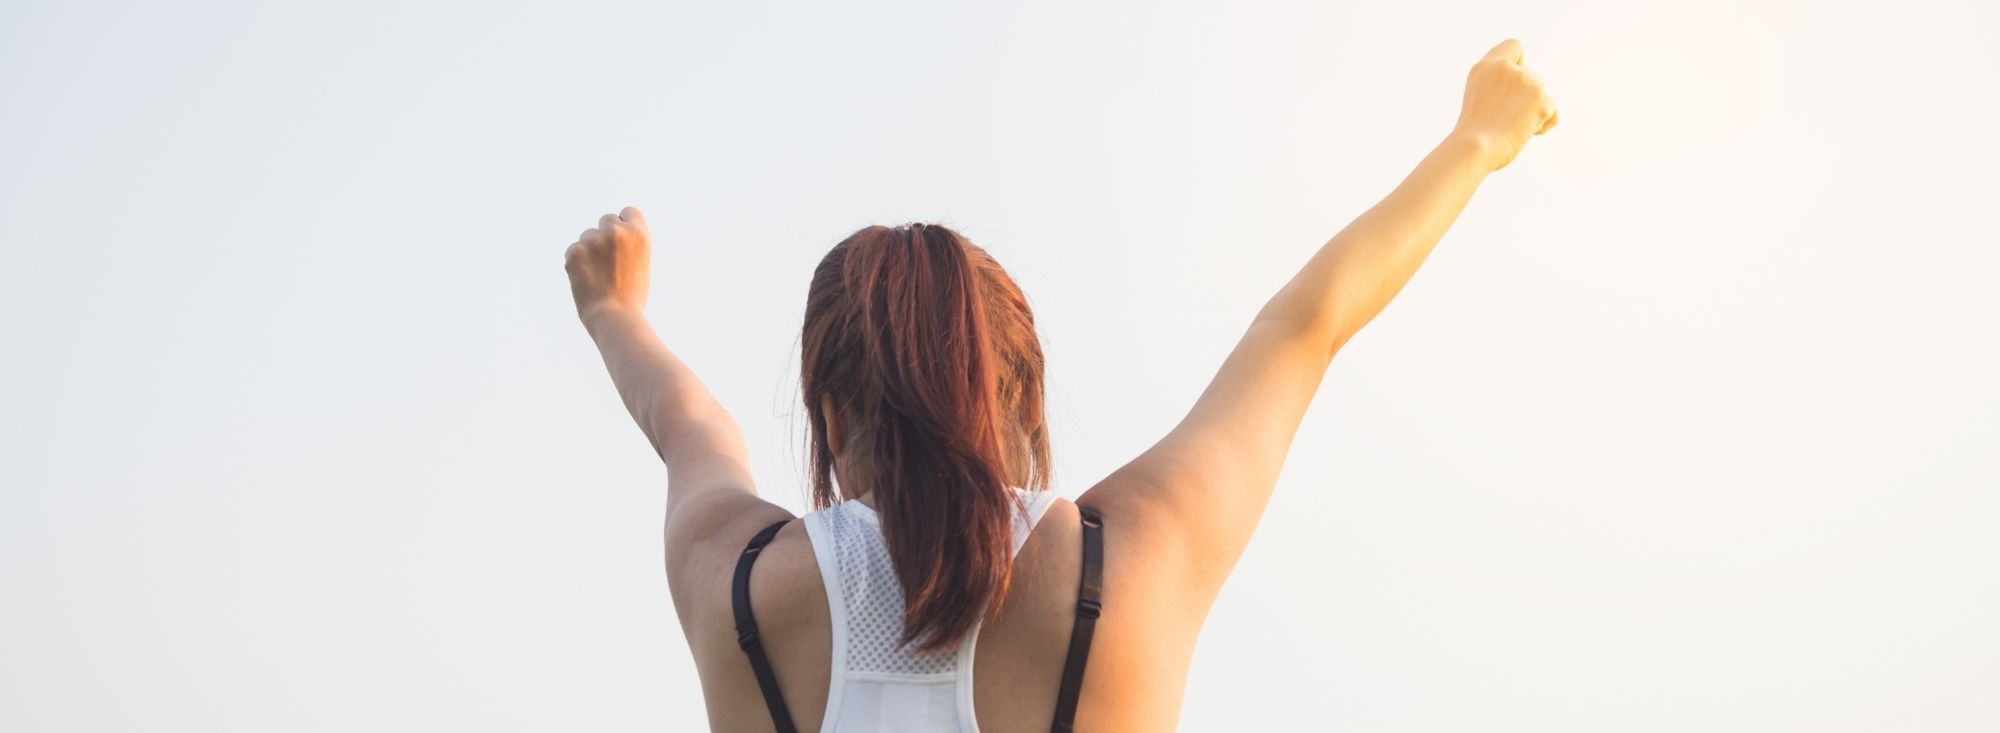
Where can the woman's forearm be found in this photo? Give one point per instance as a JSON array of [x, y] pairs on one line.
[[671, 405], [1357, 272]]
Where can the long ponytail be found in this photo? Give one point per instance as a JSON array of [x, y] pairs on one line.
[[929, 351]]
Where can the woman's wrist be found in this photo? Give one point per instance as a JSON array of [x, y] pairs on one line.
[[596, 315], [1479, 148]]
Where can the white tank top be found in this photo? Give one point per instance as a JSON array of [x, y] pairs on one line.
[[876, 686]]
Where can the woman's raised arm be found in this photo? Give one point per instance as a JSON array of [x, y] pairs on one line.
[[1199, 492], [709, 487]]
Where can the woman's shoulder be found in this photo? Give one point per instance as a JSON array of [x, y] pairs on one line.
[[785, 585]]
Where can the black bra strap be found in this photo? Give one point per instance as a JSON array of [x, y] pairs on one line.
[[746, 629], [1089, 602]]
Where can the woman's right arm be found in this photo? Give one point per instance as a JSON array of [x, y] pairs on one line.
[[1194, 498]]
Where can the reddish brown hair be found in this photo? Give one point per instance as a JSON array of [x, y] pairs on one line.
[[929, 352]]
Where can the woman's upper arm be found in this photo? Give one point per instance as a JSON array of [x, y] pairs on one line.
[[712, 501], [1197, 494]]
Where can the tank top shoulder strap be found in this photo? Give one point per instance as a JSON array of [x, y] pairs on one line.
[[1037, 504]]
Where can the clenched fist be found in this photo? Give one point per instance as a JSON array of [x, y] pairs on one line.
[[1504, 104], [610, 266]]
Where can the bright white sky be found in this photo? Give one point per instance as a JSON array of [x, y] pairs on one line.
[[1689, 424]]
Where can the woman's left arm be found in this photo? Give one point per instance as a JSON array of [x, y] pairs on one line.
[[708, 467]]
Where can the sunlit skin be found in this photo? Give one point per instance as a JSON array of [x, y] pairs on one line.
[[1177, 517]]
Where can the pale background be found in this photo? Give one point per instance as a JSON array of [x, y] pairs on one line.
[[1688, 425]]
